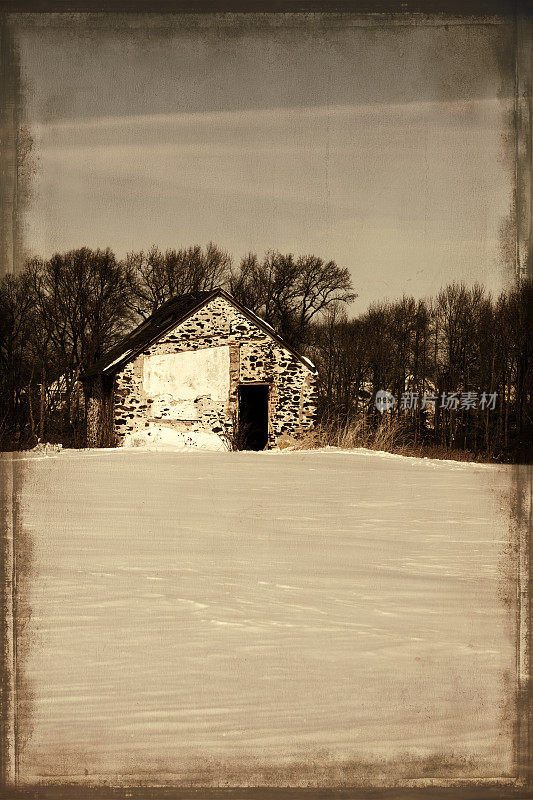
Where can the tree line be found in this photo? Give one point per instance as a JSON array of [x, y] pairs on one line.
[[459, 366], [62, 314]]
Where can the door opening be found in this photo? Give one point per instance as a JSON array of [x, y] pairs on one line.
[[253, 416]]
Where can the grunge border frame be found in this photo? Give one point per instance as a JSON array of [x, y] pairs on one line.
[[520, 511]]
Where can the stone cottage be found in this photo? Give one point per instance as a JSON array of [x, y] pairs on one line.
[[202, 371]]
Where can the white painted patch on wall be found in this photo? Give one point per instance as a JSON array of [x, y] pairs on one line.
[[188, 375]]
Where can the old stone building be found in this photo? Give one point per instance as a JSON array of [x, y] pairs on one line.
[[203, 371]]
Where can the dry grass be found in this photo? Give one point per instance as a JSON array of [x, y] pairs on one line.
[[234, 435], [390, 436]]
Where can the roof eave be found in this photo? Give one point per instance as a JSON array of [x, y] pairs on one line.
[[121, 361]]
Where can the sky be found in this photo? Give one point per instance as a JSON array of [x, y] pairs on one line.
[[380, 144]]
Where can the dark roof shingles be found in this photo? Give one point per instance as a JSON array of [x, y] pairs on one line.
[[168, 315]]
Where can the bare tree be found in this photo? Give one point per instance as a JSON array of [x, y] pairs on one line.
[[82, 308], [17, 322], [155, 276], [339, 348], [290, 292]]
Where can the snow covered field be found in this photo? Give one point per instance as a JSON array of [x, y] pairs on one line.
[[281, 618]]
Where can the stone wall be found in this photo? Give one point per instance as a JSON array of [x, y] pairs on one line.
[[206, 418]]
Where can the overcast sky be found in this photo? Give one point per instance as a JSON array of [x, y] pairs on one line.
[[380, 146]]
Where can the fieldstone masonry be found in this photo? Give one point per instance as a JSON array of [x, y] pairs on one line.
[[251, 355]]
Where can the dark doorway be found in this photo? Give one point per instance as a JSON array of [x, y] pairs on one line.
[[253, 417]]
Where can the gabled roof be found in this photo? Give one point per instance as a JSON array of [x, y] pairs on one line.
[[172, 313]]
